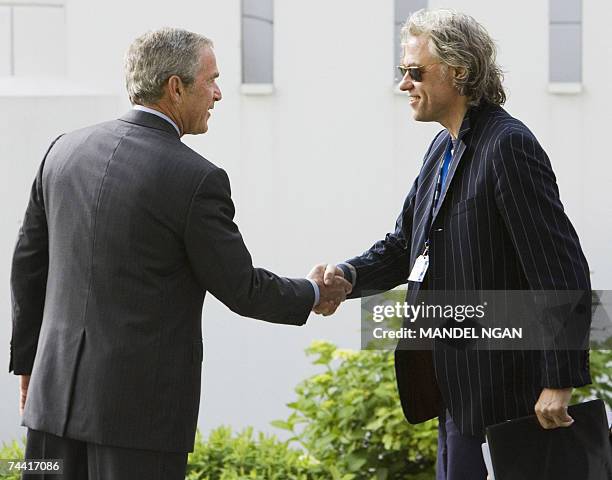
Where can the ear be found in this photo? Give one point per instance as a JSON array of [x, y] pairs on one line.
[[175, 89], [459, 73]]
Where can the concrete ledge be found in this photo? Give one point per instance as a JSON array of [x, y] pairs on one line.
[[257, 89], [46, 87], [565, 88]]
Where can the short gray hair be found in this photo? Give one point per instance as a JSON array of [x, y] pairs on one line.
[[459, 41], [157, 55]]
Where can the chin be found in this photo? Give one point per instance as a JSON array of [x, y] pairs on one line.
[[421, 117], [201, 129]]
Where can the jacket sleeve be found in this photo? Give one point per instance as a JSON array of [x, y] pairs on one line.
[[29, 271], [547, 245], [224, 267]]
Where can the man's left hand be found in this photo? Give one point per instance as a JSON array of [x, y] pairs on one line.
[[24, 383], [551, 408]]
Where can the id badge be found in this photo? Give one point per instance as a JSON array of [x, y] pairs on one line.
[[420, 269]]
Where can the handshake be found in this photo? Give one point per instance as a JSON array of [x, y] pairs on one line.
[[333, 287]]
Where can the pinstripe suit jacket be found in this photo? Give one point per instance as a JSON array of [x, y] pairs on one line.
[[498, 225], [126, 230]]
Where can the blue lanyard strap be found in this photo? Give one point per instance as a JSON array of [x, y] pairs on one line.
[[448, 156]]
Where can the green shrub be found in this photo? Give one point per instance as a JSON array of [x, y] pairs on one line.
[[601, 370], [223, 456], [12, 451], [349, 418]]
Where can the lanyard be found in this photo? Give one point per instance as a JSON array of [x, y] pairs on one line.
[[445, 164], [442, 174]]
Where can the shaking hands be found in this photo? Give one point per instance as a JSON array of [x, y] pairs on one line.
[[333, 288]]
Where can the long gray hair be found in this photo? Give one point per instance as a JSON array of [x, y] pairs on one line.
[[157, 55], [461, 42]]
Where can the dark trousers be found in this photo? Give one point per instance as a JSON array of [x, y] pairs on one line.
[[459, 456], [89, 461]]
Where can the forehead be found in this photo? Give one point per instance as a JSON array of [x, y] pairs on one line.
[[208, 62], [415, 51]]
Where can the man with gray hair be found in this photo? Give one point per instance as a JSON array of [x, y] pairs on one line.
[[126, 230], [483, 214]]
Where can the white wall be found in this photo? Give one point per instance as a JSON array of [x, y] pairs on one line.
[[319, 169]]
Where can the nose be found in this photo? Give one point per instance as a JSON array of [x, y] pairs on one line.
[[406, 84], [218, 96]]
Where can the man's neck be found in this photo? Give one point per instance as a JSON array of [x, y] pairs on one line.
[[166, 110], [454, 119]]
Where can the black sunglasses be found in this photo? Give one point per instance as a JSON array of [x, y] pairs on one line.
[[415, 72]]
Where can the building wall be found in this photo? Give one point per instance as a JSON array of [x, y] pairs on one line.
[[319, 168]]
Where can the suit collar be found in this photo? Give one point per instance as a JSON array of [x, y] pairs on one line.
[[146, 119], [465, 124], [470, 118]]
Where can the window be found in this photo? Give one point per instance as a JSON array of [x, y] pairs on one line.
[[32, 38], [6, 49], [565, 44], [257, 44], [403, 10]]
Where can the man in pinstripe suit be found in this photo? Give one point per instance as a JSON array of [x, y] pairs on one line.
[[485, 211]]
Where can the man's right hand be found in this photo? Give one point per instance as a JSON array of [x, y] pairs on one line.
[[333, 288]]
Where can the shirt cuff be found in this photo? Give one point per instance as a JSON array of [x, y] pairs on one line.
[[316, 292], [350, 273]]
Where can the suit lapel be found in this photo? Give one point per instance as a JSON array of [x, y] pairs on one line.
[[459, 150], [424, 200]]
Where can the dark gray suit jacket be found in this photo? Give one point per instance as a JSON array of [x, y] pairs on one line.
[[125, 232], [499, 225]]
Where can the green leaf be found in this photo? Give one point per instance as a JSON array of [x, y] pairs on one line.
[[282, 425], [382, 473], [355, 461], [375, 424]]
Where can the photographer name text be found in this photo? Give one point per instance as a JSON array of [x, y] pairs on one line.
[[448, 332]]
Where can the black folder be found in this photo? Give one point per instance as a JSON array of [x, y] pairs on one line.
[[522, 450]]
